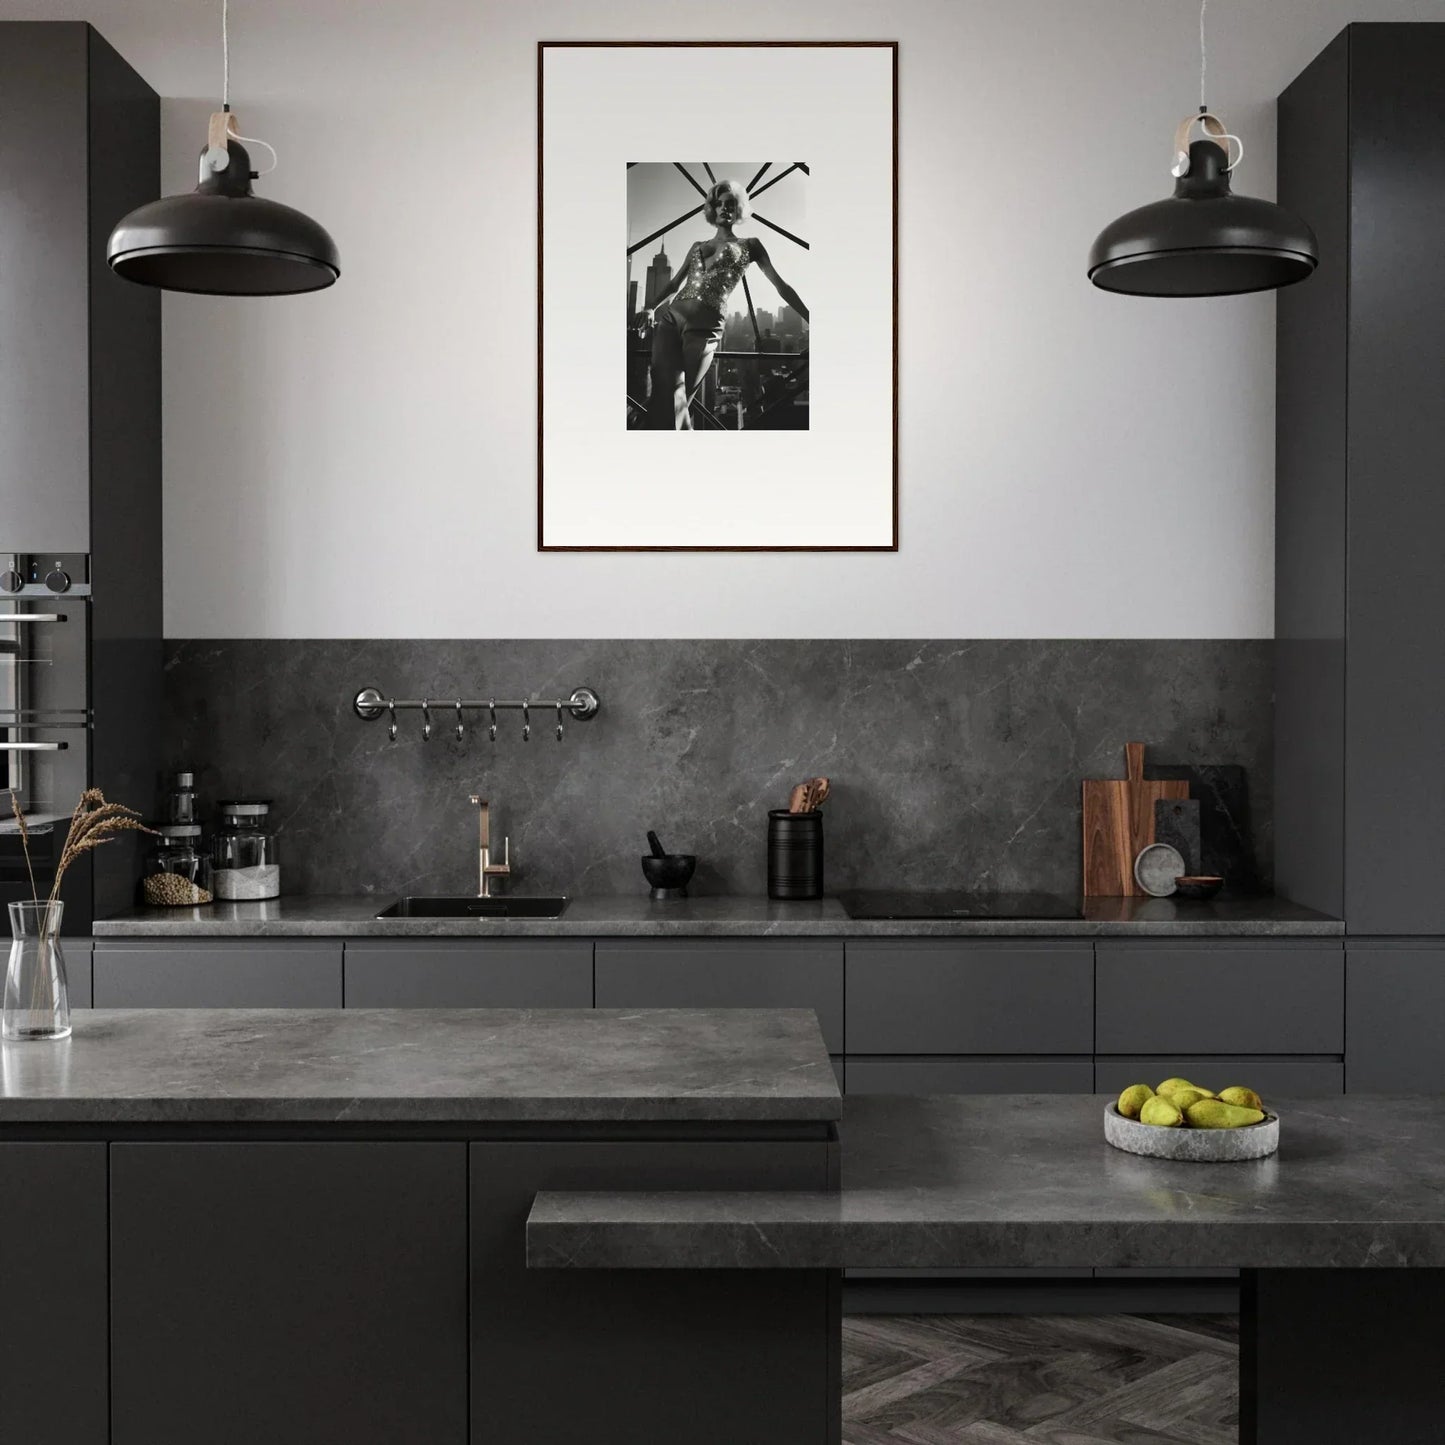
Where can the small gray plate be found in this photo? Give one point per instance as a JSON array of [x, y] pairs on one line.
[[1192, 1146], [1156, 868]]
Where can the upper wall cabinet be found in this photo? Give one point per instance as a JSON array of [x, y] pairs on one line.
[[1360, 505], [79, 348]]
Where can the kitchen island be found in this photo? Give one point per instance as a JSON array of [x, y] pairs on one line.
[[308, 1226], [1341, 1234]]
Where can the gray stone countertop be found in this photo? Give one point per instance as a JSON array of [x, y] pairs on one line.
[[1027, 1180], [723, 917], [423, 1066]]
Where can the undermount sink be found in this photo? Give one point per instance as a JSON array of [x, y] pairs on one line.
[[474, 907]]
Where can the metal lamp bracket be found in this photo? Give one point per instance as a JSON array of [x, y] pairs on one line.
[[1214, 129]]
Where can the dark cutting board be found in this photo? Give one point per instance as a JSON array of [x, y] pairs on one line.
[[1226, 833], [1176, 822]]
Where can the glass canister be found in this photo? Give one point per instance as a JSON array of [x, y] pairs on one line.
[[178, 868], [245, 862]]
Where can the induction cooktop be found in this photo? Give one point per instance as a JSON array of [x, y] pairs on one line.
[[958, 904]]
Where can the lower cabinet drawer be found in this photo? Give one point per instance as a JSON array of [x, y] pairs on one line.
[[1219, 998], [1270, 1077], [703, 973], [1396, 999], [952, 997], [77, 970], [511, 973], [969, 1076], [300, 974]]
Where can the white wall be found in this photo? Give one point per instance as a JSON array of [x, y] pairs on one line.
[[361, 462]]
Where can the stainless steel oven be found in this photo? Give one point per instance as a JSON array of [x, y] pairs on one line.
[[45, 718]]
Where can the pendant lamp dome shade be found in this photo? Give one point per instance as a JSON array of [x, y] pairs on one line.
[[222, 239], [1203, 240]]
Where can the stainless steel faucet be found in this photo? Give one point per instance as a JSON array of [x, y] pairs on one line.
[[486, 869]]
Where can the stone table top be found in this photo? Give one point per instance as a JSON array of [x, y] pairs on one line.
[[1027, 1180], [423, 1066], [717, 916]]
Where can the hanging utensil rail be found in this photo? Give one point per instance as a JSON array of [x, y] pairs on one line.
[[371, 703]]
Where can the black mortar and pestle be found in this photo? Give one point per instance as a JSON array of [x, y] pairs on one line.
[[667, 872]]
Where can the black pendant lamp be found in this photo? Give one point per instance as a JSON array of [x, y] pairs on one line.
[[1203, 240], [222, 239]]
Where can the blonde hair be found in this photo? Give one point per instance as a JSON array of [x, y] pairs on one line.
[[714, 195]]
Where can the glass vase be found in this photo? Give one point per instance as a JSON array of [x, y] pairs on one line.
[[37, 1000]]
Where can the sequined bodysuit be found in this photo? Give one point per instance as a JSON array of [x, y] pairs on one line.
[[713, 284]]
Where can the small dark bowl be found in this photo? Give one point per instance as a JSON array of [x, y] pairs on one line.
[[669, 874], [1200, 886]]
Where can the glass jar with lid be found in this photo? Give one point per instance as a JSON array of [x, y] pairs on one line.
[[177, 871], [245, 862]]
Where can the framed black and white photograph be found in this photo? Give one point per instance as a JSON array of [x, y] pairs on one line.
[[727, 266]]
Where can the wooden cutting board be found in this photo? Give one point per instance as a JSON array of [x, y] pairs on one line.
[[1118, 822]]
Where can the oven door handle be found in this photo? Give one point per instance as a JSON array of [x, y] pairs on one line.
[[32, 617], [33, 747]]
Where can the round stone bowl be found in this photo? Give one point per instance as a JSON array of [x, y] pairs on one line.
[[1193, 1146]]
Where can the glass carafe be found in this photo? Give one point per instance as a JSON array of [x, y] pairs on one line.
[[37, 1000]]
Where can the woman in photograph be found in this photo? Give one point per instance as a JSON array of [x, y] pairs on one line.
[[687, 318]]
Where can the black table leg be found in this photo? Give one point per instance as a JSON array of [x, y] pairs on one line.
[[1342, 1357]]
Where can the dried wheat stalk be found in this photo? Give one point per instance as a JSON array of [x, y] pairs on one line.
[[24, 843], [93, 822]]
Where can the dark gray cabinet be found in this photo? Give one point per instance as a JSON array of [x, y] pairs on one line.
[[80, 415], [546, 1340], [77, 953], [956, 996], [1164, 997], [296, 1293], [970, 1075], [1274, 1077], [80, 384], [1360, 512], [719, 973], [271, 973], [496, 973], [1396, 992], [53, 1300]]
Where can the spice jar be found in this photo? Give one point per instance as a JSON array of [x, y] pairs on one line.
[[244, 857], [177, 869], [180, 803]]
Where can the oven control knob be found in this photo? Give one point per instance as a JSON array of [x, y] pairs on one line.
[[11, 581], [58, 581]]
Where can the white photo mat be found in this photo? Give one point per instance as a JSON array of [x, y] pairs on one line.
[[832, 486]]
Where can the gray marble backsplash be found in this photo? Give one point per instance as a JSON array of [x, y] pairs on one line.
[[954, 764]]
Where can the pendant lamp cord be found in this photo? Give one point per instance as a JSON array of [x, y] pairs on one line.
[[226, 93], [1203, 55]]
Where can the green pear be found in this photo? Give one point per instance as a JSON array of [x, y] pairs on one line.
[[1215, 1114], [1161, 1112], [1133, 1099], [1183, 1098], [1245, 1098]]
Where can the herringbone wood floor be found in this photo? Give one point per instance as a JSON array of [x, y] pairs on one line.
[[1040, 1380]]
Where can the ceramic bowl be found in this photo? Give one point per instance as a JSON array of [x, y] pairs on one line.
[[1192, 1146]]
